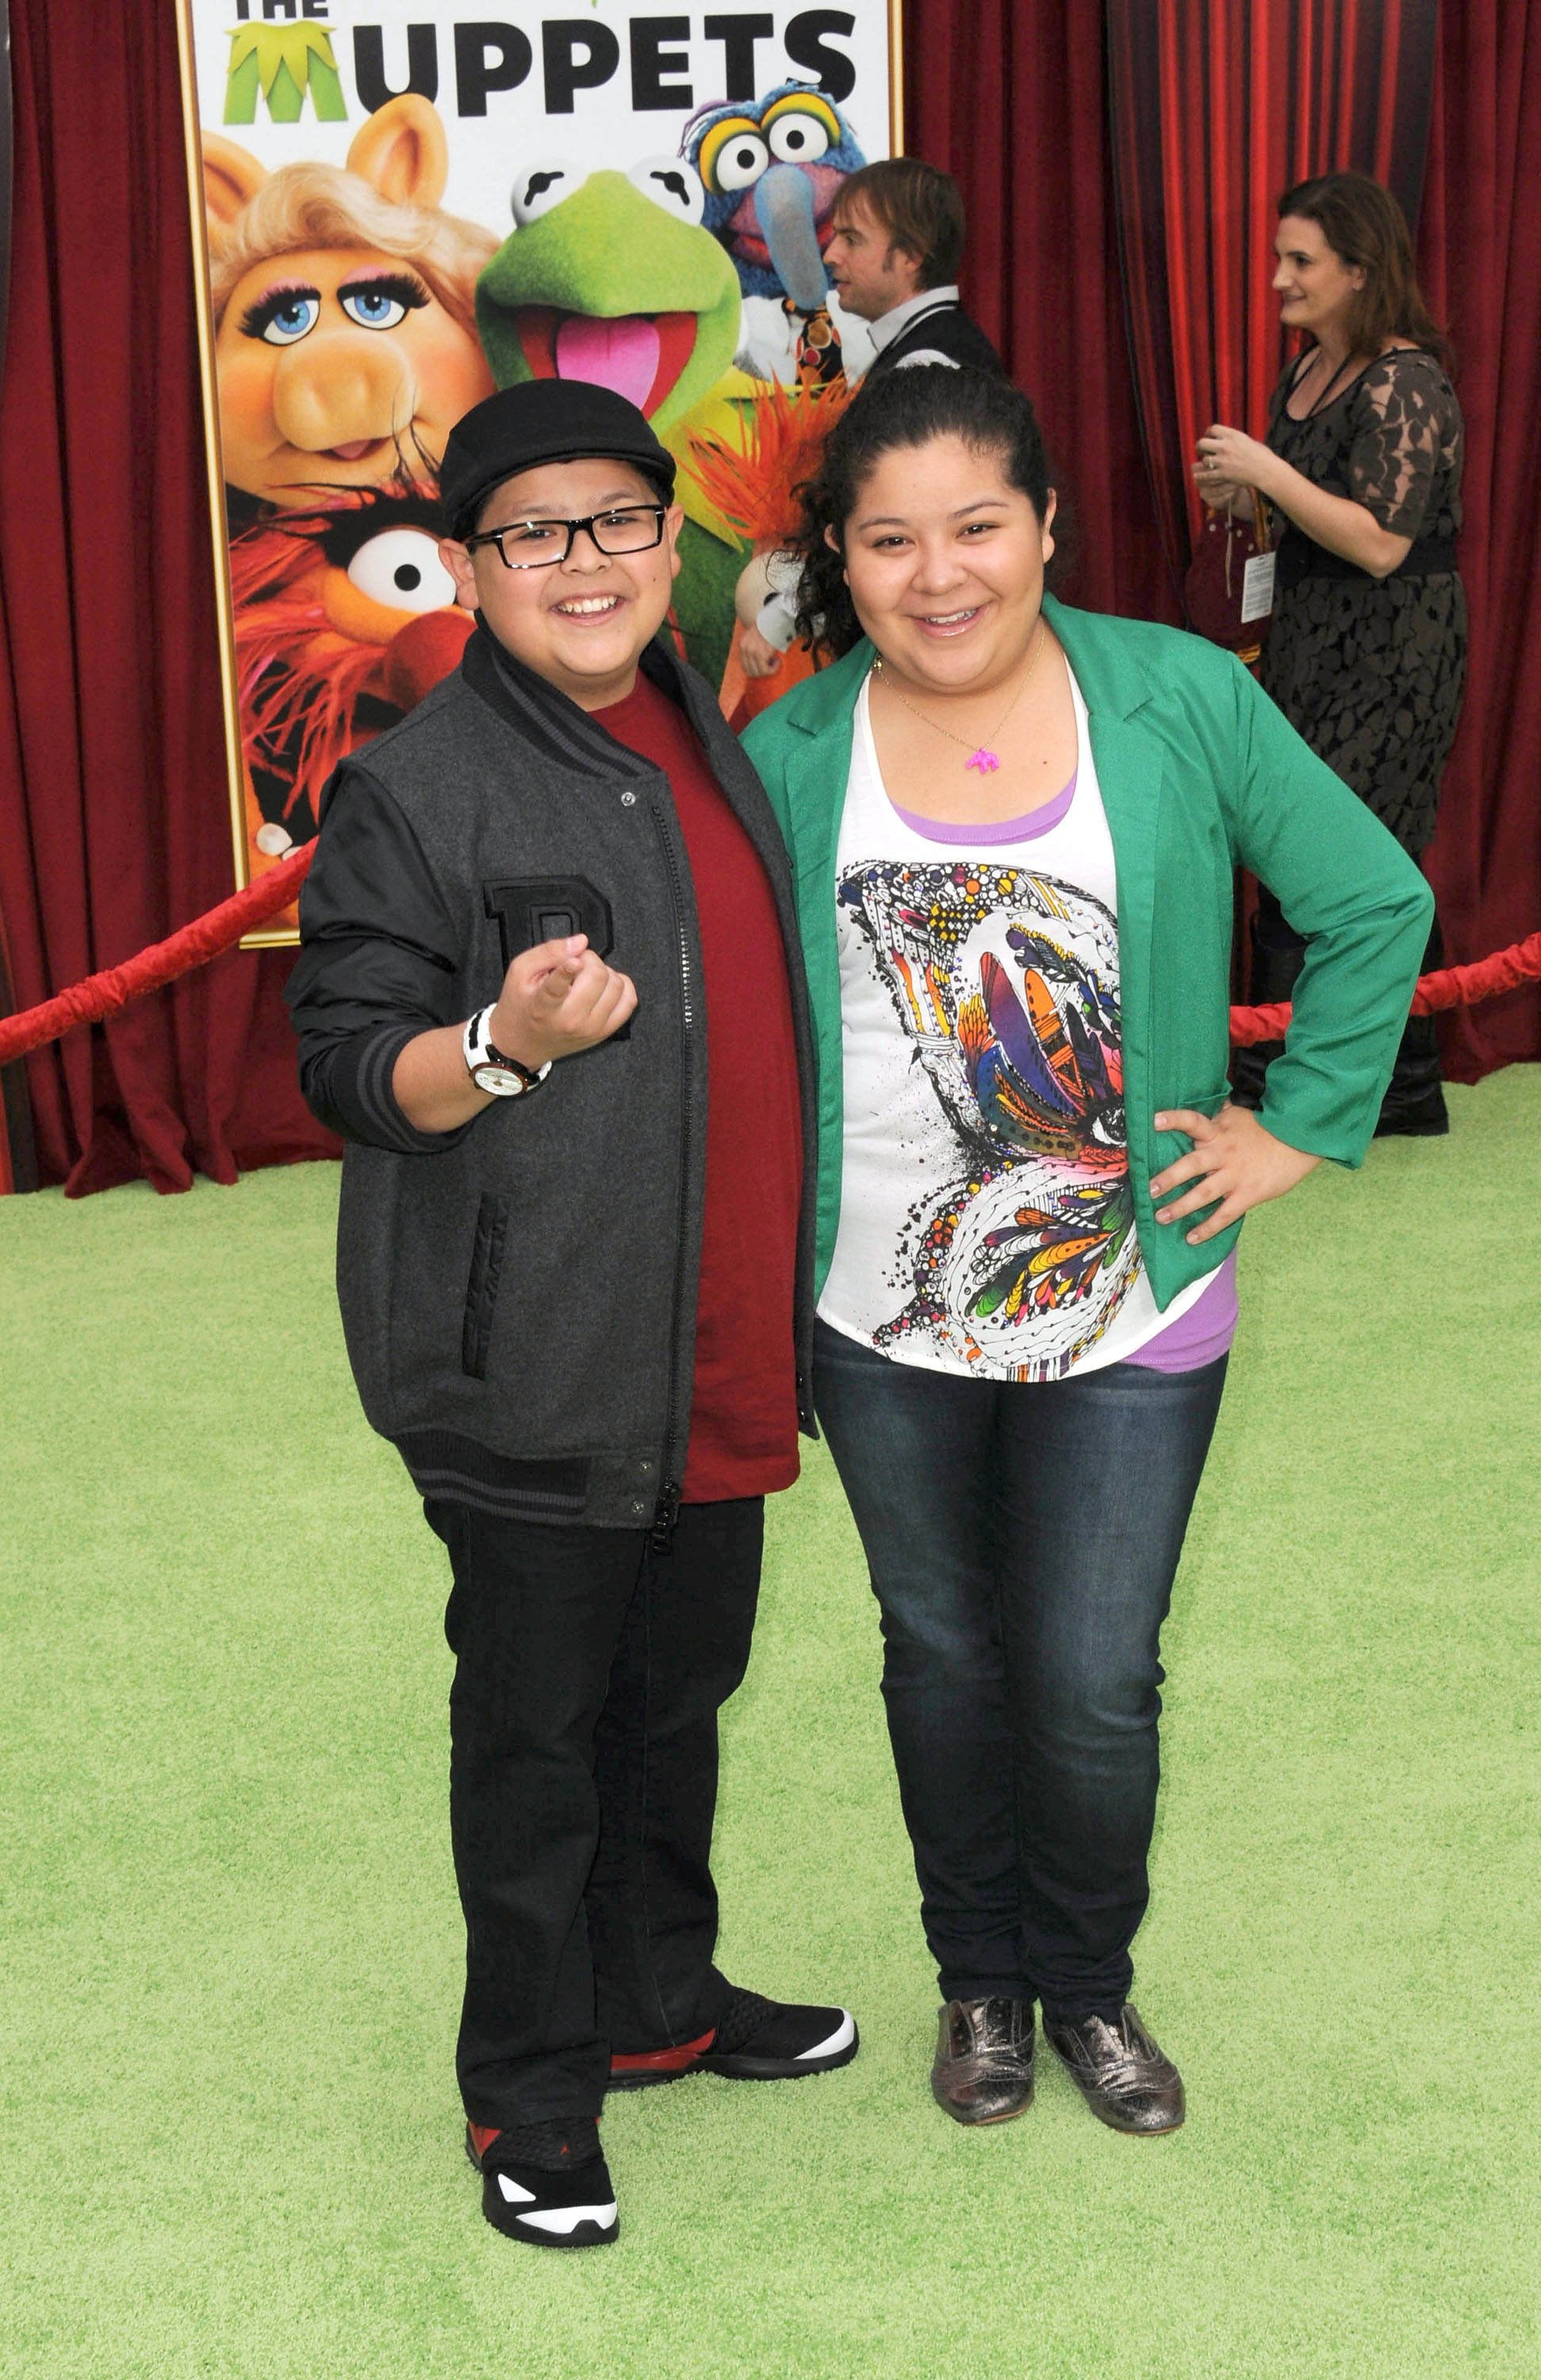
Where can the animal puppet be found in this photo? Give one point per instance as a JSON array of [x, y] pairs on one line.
[[772, 168], [345, 619], [752, 474], [344, 343], [609, 278]]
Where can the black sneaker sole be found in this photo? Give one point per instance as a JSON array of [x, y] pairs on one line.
[[737, 2067], [740, 2068], [584, 2235], [505, 2219]]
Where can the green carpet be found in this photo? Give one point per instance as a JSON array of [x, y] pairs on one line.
[[231, 1942]]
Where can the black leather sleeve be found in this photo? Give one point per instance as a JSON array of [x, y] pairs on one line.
[[377, 966]]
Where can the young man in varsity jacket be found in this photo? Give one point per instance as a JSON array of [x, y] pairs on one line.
[[551, 996]]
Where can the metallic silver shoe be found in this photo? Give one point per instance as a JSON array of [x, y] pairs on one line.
[[1123, 2076], [984, 2063]]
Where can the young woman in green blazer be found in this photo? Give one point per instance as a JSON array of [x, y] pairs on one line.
[[1014, 828]]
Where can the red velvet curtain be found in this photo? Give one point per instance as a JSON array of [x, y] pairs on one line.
[[1011, 97], [1481, 261], [19, 1169], [1216, 109], [113, 817], [112, 812]]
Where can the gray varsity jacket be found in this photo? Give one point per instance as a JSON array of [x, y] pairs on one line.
[[519, 1297]]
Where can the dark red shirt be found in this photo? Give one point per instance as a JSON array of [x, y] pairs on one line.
[[744, 1407]]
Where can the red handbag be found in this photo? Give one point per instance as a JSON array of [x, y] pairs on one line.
[[1229, 589]]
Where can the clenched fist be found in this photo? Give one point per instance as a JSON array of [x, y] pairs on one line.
[[558, 999]]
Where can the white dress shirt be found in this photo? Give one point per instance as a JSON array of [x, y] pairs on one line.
[[887, 327]]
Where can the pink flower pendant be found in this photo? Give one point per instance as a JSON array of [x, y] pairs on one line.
[[982, 760]]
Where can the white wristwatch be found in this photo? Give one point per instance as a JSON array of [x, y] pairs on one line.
[[489, 1069]]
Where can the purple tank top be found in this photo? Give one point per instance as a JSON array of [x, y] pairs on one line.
[[1018, 830]]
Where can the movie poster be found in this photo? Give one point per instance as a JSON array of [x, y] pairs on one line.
[[403, 206]]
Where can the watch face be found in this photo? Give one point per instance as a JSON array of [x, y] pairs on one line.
[[498, 1080]]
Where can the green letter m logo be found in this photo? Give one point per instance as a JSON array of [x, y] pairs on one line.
[[283, 62]]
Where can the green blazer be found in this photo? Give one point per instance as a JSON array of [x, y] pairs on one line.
[[1200, 774]]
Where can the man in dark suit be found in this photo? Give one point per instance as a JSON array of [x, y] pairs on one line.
[[892, 256]]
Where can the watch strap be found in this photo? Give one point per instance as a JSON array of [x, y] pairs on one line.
[[484, 1064]]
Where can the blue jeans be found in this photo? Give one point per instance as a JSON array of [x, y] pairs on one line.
[[1023, 1543]]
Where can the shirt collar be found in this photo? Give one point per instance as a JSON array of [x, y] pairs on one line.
[[543, 714], [887, 327]]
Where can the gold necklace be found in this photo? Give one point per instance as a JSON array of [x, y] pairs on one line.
[[981, 757]]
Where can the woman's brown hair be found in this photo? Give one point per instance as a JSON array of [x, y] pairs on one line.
[[1362, 223]]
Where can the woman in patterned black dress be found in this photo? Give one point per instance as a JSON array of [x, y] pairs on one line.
[[1365, 653]]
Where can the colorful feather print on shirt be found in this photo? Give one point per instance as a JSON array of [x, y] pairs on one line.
[[1021, 1250]]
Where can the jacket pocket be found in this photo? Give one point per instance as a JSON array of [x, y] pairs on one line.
[[481, 1290]]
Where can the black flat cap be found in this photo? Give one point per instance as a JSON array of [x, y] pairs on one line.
[[543, 421]]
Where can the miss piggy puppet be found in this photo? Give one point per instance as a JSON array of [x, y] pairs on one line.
[[346, 343]]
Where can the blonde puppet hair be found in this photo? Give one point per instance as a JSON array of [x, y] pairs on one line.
[[385, 198]]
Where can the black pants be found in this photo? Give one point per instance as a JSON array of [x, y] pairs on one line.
[[1415, 1101], [589, 1671]]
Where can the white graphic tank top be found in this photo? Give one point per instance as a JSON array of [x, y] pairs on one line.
[[987, 1225]]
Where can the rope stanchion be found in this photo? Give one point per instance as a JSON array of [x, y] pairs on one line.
[[1457, 987], [103, 995], [1463, 986], [1268, 1023]]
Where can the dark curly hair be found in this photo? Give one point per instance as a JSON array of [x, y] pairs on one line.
[[907, 406]]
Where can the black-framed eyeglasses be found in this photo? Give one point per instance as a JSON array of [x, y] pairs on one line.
[[538, 544]]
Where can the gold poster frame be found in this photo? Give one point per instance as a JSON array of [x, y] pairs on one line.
[[225, 610], [285, 937]]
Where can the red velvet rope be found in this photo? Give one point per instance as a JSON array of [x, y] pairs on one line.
[[104, 994], [1460, 987], [217, 930]]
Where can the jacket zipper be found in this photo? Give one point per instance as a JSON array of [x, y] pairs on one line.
[[666, 1509]]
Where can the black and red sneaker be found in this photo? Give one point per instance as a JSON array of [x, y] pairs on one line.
[[754, 2040], [546, 2183]]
